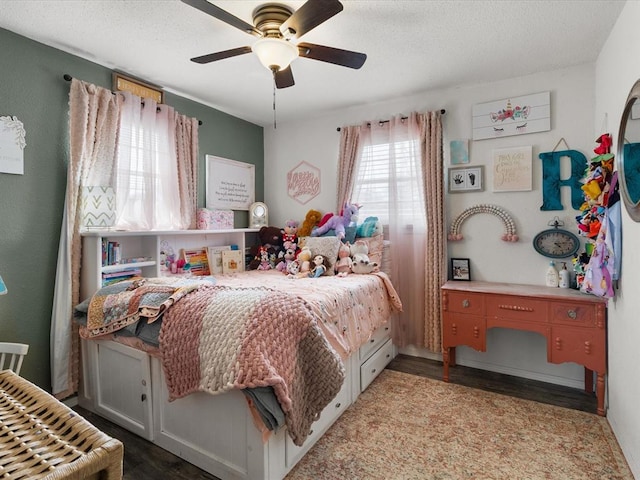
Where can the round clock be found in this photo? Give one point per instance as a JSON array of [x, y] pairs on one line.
[[556, 243]]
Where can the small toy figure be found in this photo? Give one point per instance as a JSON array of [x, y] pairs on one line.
[[304, 259], [293, 269], [320, 266], [288, 257]]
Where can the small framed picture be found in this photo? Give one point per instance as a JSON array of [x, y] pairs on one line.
[[466, 179], [460, 269]]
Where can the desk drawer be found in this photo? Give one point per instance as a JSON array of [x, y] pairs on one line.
[[585, 346], [463, 302], [573, 314], [517, 308], [467, 330]]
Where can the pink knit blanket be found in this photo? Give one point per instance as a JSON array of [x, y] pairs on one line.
[[220, 338]]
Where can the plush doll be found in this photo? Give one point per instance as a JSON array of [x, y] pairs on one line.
[[343, 265], [304, 259], [290, 233], [265, 263], [289, 257], [339, 222], [320, 266], [311, 220]]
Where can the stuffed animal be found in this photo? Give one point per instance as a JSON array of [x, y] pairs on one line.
[[311, 220], [288, 257], [339, 222], [290, 233], [320, 266], [343, 265], [265, 263], [271, 239], [293, 269], [360, 258], [304, 259]]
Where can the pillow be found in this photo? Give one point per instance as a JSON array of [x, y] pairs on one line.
[[327, 246]]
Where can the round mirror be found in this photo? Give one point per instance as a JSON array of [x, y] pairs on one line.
[[628, 155]]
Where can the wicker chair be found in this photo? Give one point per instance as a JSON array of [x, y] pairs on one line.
[[13, 353], [43, 439]]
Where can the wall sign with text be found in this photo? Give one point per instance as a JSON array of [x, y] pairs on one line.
[[230, 184], [303, 182]]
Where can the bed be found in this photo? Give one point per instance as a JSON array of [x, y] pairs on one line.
[[246, 374]]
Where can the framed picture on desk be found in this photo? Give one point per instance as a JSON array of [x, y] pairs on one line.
[[460, 269]]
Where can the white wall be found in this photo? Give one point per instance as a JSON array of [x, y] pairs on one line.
[[617, 69], [316, 141]]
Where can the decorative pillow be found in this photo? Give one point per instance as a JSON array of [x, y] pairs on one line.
[[375, 244], [327, 246]]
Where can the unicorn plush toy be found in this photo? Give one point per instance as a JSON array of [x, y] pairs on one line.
[[339, 222]]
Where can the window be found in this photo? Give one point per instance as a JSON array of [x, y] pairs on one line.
[[388, 182]]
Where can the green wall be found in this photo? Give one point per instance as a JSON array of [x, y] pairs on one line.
[[32, 89]]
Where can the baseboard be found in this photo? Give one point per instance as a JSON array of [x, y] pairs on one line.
[[491, 367], [631, 456]]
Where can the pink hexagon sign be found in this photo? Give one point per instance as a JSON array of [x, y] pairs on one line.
[[303, 182]]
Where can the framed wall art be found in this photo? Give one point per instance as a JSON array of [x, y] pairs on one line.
[[230, 184], [512, 116], [512, 169], [460, 269], [466, 179]]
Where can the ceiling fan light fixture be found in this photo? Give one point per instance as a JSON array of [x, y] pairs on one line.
[[275, 53]]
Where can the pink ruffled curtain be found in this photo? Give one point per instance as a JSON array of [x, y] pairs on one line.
[[350, 152], [93, 125], [412, 149], [186, 138]]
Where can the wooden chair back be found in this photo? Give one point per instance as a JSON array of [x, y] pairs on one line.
[[12, 355]]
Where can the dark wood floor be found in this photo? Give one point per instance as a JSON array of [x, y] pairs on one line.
[[145, 461]]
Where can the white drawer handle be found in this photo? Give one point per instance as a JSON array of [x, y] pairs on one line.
[[373, 370], [338, 405]]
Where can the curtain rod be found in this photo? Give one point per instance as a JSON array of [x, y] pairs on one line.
[[68, 78], [442, 112]]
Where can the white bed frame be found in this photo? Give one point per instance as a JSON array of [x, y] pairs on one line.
[[214, 432]]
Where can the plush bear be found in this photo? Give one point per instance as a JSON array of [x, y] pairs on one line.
[[271, 239], [310, 221], [344, 263]]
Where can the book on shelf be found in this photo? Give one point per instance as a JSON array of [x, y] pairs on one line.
[[232, 261], [215, 257], [198, 260], [112, 277], [111, 253]]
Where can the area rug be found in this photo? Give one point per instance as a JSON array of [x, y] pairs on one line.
[[406, 427]]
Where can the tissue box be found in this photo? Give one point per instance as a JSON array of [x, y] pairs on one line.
[[214, 219]]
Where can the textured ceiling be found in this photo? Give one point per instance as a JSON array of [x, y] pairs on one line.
[[412, 46]]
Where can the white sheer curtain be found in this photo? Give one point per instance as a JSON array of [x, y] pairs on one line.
[[390, 185], [147, 186]]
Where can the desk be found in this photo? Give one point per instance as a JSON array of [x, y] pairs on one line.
[[573, 323], [41, 438]]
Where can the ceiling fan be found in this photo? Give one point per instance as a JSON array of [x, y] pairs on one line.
[[277, 26]]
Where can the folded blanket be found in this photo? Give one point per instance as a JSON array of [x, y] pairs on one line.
[[221, 338], [121, 304]]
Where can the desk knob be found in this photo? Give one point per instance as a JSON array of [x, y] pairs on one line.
[[558, 343], [454, 328], [572, 314], [587, 347], [465, 303], [476, 332]]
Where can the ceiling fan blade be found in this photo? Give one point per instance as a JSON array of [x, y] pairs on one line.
[[223, 15], [309, 16], [337, 56], [212, 57], [284, 78]]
